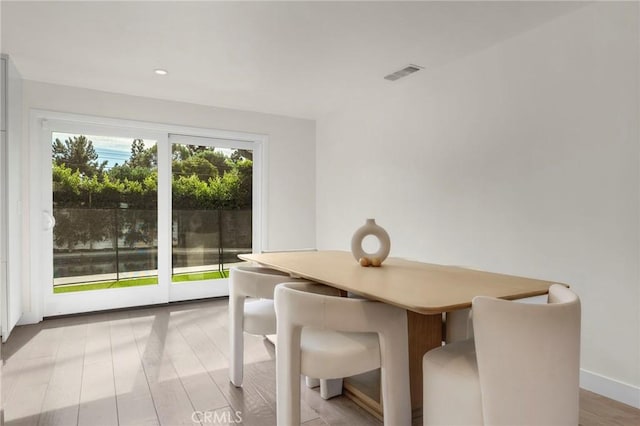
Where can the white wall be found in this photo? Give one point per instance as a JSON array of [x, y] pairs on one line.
[[290, 165], [522, 158]]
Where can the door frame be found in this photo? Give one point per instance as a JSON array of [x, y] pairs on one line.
[[41, 123]]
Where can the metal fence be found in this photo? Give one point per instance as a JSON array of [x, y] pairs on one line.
[[116, 242]]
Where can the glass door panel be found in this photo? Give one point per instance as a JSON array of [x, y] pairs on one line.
[[212, 187], [105, 191]]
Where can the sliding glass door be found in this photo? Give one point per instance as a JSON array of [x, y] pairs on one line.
[[211, 213], [136, 217], [101, 236]]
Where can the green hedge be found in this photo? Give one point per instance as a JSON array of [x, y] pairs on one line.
[[137, 188]]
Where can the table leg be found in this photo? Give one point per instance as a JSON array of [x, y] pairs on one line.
[[425, 333]]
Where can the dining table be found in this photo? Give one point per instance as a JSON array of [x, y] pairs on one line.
[[424, 290]]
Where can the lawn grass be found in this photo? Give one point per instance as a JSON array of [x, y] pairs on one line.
[[199, 276], [133, 282]]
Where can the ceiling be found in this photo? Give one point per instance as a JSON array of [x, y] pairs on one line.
[[300, 59]]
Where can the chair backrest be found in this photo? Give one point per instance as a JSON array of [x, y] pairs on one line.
[[255, 281], [307, 304], [529, 359], [315, 305]]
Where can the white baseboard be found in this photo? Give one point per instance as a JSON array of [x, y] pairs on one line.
[[611, 388]]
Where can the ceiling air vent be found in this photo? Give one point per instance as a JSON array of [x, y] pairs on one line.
[[410, 69]]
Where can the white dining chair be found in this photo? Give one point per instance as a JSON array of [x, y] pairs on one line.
[[330, 337], [258, 317], [521, 368], [253, 317]]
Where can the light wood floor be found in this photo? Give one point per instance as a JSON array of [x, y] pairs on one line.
[[159, 366]]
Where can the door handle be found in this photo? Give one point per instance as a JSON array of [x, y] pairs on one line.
[[48, 221]]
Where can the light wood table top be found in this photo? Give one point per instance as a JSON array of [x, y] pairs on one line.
[[419, 287]]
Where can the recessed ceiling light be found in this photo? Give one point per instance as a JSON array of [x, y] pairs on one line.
[[160, 71]]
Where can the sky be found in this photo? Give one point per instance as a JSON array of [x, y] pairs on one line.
[[115, 150]]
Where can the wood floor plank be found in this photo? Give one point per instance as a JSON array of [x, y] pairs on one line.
[[60, 406], [97, 397], [215, 326], [246, 400], [170, 399], [98, 404], [337, 411], [315, 422], [202, 390], [157, 366], [11, 370], [593, 406], [24, 403], [263, 374], [133, 396], [27, 373], [207, 352]]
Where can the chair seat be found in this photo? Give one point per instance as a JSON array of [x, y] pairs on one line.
[[259, 317], [453, 383], [328, 354]]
